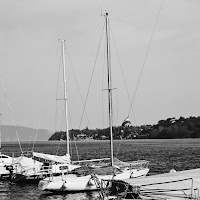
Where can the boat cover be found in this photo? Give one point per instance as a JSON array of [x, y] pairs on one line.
[[104, 171], [174, 185], [23, 163], [131, 164], [52, 158]]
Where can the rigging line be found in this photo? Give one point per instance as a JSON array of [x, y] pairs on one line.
[[147, 52], [40, 118], [71, 149], [36, 135], [61, 130], [116, 127], [76, 150], [119, 147], [92, 75], [70, 119], [31, 149], [117, 114], [109, 72], [76, 81], [62, 127], [58, 147], [78, 91], [115, 117], [153, 197], [165, 182], [39, 122], [77, 153], [11, 113], [58, 78], [29, 144], [184, 196], [123, 75]]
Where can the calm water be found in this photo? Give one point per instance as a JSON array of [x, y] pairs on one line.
[[163, 155]]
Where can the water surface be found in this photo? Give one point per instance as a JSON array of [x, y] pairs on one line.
[[163, 155]]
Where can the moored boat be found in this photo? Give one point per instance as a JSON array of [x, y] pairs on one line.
[[41, 165], [5, 163], [90, 179], [169, 186]]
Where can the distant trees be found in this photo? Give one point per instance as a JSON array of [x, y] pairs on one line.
[[164, 129], [176, 128], [57, 136]]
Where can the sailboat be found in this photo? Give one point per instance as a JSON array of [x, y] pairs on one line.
[[174, 185], [41, 165], [90, 179]]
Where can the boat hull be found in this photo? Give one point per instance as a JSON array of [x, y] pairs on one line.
[[171, 186], [27, 170], [21, 179], [4, 172], [74, 183]]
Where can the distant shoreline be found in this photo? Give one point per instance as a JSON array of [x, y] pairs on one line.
[[101, 141]]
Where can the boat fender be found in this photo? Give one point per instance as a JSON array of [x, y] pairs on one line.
[[63, 187], [131, 175], [9, 167], [172, 170], [90, 182]]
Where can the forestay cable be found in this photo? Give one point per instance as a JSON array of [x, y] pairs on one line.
[[123, 74], [145, 59], [76, 82], [102, 85], [92, 75], [39, 122], [58, 78]]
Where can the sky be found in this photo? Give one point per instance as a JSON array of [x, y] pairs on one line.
[[30, 61]]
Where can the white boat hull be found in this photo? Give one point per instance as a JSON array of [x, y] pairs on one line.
[[34, 175], [5, 162], [169, 186], [73, 183], [3, 170]]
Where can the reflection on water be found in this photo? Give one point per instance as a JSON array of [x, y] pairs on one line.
[[26, 192], [163, 155], [80, 196]]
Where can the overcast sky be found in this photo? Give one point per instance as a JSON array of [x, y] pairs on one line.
[[30, 57]]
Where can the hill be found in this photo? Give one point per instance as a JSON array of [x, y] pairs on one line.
[[8, 134]]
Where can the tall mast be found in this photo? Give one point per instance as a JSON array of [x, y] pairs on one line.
[[65, 93], [109, 85]]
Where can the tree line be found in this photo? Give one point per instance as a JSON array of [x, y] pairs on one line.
[[164, 129]]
